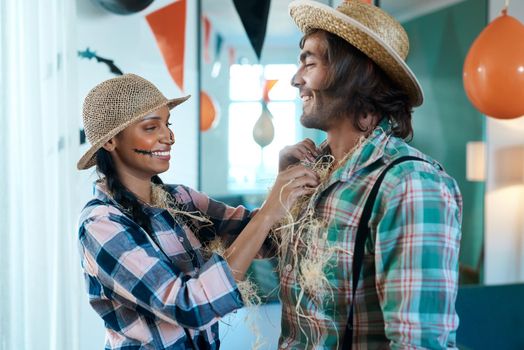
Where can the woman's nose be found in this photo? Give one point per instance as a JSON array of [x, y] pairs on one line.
[[169, 138]]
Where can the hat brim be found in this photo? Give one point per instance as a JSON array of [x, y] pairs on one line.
[[309, 15], [89, 158]]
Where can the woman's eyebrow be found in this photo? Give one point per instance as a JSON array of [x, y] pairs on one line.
[[156, 117]]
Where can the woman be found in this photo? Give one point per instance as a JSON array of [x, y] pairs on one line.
[[141, 241]]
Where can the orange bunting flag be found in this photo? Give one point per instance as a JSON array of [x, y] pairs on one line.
[[207, 33], [268, 85], [232, 54], [169, 27]]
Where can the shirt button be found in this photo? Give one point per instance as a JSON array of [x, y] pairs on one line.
[[288, 269], [181, 239], [284, 344]]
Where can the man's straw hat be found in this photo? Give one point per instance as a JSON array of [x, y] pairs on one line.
[[113, 105], [368, 28]]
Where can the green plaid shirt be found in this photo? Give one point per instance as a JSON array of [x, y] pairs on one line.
[[408, 285]]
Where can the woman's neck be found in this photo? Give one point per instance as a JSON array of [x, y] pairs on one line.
[[140, 187]]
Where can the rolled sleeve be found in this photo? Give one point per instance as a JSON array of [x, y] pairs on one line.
[[417, 251], [219, 286]]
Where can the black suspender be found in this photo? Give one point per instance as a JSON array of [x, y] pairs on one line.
[[363, 232]]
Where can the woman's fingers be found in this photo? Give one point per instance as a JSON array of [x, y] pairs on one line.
[[301, 191], [291, 184], [298, 171], [304, 181], [297, 181]]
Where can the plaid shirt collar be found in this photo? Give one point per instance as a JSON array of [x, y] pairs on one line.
[[102, 193], [370, 151]]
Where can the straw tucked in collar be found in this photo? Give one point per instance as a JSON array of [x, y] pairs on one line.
[[113, 105], [371, 30]]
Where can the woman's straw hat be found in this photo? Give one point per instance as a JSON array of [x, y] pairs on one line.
[[113, 105], [368, 28]]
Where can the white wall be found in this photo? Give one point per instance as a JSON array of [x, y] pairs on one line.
[[129, 41], [504, 216]]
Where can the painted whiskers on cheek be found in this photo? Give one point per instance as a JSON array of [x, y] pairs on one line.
[[141, 151]]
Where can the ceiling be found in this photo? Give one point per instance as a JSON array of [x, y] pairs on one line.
[[282, 32]]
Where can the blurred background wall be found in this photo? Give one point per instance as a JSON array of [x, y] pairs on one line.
[[43, 302]]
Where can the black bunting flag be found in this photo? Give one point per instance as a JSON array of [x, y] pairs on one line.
[[254, 15]]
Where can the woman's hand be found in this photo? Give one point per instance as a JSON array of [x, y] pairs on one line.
[[291, 184], [304, 150]]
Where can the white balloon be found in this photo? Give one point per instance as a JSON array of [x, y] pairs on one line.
[[264, 131]]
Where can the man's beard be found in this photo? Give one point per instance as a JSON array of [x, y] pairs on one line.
[[326, 110]]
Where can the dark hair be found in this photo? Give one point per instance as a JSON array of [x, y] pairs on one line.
[[124, 197], [369, 90]]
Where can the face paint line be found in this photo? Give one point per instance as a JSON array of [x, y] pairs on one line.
[[141, 151]]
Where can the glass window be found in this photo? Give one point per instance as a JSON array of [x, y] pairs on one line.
[[252, 169]]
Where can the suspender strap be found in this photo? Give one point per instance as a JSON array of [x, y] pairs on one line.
[[363, 232]]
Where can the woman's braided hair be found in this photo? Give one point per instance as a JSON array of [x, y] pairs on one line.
[[120, 193]]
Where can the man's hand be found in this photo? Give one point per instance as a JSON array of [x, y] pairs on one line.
[[290, 184], [290, 155]]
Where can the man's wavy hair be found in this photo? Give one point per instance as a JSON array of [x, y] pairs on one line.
[[369, 90]]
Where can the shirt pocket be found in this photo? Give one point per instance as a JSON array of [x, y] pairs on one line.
[[173, 248], [340, 242]]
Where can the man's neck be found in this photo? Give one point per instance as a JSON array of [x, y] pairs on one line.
[[343, 139]]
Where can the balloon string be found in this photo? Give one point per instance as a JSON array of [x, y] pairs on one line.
[[506, 6]]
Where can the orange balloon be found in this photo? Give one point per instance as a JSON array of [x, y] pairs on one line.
[[208, 112], [494, 69]]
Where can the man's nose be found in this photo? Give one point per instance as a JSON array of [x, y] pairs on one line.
[[296, 80]]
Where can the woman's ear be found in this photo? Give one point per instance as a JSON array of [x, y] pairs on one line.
[[110, 145]]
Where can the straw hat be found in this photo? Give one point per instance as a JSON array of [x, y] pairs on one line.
[[113, 105], [371, 30]]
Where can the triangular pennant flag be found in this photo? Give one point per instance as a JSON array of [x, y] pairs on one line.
[[254, 15], [207, 34], [268, 85], [219, 40], [169, 27], [232, 55]]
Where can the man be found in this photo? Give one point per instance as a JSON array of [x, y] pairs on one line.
[[356, 86]]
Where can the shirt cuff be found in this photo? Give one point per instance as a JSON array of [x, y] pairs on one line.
[[220, 286]]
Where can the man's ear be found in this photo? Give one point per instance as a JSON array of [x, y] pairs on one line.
[[364, 122], [110, 145]]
